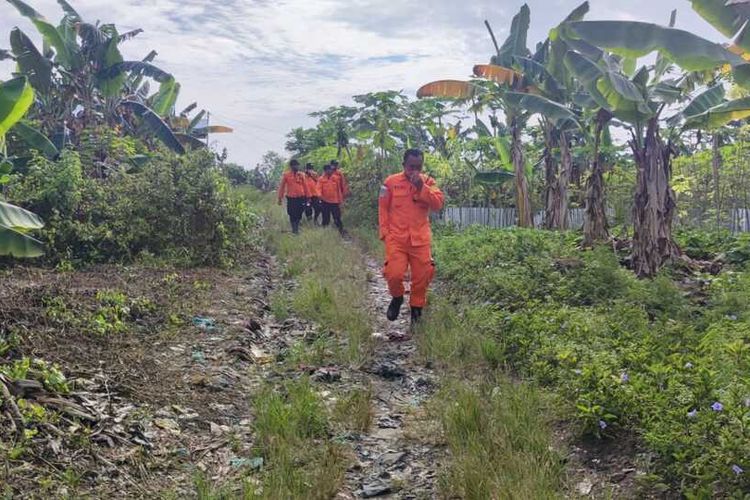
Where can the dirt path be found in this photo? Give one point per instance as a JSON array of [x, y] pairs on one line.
[[393, 459]]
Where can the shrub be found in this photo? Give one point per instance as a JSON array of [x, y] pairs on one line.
[[180, 208]]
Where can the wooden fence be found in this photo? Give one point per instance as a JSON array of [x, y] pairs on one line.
[[463, 217]]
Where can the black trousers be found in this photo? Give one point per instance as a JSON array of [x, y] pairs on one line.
[[295, 207], [314, 210], [335, 210]]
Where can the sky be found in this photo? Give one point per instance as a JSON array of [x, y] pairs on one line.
[[261, 66]]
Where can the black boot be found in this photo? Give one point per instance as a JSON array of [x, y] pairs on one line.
[[394, 309], [295, 227], [416, 316]]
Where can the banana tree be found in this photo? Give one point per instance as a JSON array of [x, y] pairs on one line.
[[81, 78], [16, 97], [553, 81], [516, 117], [640, 102]]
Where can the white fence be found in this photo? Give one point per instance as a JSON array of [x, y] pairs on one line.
[[741, 220], [463, 217]]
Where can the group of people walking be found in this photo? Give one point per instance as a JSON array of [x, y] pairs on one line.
[[313, 195], [404, 204]]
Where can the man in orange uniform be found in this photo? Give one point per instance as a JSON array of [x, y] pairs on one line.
[[344, 185], [297, 196], [405, 202], [313, 208], [331, 196]]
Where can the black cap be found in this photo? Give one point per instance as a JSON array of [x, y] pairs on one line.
[[334, 162], [309, 166]]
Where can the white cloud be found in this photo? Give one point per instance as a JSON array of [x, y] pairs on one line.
[[262, 65]]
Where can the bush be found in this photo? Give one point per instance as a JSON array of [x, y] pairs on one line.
[[180, 208], [634, 356]]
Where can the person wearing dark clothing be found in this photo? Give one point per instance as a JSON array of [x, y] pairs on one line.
[[313, 210], [297, 195], [331, 195]]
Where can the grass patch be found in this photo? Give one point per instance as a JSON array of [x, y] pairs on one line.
[[500, 441], [332, 281], [354, 410], [292, 427]]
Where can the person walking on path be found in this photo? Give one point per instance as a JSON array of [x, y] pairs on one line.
[[312, 211], [345, 192], [331, 196], [293, 185], [404, 206]]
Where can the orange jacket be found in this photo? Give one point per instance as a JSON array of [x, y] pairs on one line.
[[312, 184], [344, 185], [330, 188], [293, 185], [404, 212]]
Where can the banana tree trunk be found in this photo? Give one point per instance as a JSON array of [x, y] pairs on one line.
[[560, 198], [550, 178], [595, 226], [523, 202], [716, 164], [654, 204]]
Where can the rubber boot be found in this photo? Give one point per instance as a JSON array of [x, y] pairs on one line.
[[416, 316], [394, 308]]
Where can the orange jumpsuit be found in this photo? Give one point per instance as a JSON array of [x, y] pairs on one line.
[[293, 185], [344, 185], [329, 189], [312, 185], [404, 217]]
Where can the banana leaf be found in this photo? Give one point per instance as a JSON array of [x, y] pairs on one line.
[[155, 125], [19, 245], [498, 74], [18, 219], [165, 99], [35, 139], [14, 223], [69, 11], [720, 115], [493, 177], [729, 18], [188, 141], [213, 129], [481, 129], [16, 97], [196, 120], [48, 31], [553, 111], [454, 89], [111, 82], [31, 62], [515, 44], [638, 39], [704, 101], [135, 68]]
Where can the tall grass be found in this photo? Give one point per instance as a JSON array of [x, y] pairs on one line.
[[331, 275]]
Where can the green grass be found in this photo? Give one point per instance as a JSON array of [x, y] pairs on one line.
[[498, 431], [292, 426], [354, 410], [331, 279], [499, 439]]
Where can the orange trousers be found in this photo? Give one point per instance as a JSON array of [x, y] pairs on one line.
[[402, 256]]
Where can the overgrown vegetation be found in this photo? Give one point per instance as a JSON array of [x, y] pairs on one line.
[[663, 359], [175, 207], [331, 281]]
